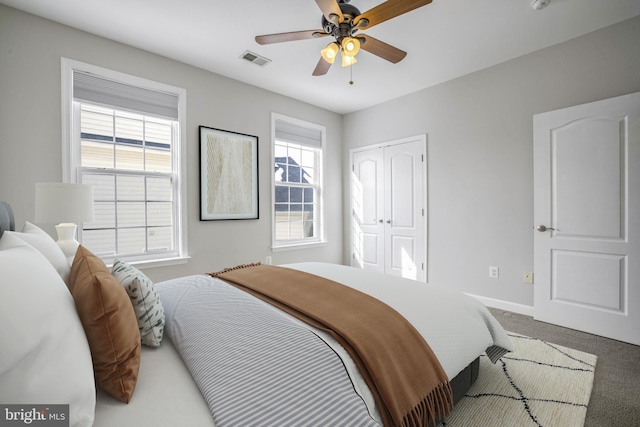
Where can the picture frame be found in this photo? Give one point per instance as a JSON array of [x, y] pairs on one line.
[[228, 175]]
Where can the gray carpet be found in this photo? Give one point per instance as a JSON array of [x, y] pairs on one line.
[[615, 399]]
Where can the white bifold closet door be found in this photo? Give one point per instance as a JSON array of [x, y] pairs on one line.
[[389, 208]]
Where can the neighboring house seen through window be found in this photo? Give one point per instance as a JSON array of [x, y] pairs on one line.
[[125, 142], [297, 182]]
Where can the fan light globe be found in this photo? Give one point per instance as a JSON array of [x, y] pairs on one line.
[[348, 60], [350, 46], [330, 52]]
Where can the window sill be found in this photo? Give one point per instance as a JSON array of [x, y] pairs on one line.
[[165, 262], [296, 246]]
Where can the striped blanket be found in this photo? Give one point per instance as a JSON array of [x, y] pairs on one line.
[[253, 364]]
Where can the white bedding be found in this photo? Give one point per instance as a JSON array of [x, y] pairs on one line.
[[458, 329], [165, 395]]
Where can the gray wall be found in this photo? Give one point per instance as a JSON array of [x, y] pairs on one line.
[[31, 148], [480, 162]]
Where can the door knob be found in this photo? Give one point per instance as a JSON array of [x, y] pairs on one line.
[[380, 221], [542, 228], [388, 221]]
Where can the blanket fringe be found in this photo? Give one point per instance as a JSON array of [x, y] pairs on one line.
[[237, 267], [432, 409]]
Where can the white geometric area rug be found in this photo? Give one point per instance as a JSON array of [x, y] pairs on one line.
[[539, 384]]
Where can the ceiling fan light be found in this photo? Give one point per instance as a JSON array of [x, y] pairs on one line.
[[348, 60], [350, 46], [330, 52]]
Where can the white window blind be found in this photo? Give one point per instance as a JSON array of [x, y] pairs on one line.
[[290, 132], [99, 90]]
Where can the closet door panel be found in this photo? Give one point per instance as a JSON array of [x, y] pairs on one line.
[[404, 199]]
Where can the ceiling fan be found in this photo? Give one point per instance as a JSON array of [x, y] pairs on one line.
[[343, 21]]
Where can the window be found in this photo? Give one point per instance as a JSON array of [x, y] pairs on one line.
[[297, 182], [124, 139]]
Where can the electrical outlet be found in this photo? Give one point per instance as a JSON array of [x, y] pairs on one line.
[[494, 272], [528, 277], [267, 260]]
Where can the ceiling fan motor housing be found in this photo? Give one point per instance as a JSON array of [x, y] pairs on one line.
[[345, 28]]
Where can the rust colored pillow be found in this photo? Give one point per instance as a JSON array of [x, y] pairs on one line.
[[109, 322]]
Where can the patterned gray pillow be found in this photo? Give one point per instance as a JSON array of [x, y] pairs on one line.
[[145, 299]]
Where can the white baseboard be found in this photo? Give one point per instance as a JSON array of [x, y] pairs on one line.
[[527, 310]]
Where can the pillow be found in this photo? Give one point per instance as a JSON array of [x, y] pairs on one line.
[[145, 300], [47, 247], [109, 323], [45, 357]]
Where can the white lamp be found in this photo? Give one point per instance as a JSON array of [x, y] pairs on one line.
[[66, 204]]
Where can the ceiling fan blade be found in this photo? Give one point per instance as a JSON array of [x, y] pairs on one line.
[[382, 49], [322, 67], [331, 11], [387, 10], [289, 37]]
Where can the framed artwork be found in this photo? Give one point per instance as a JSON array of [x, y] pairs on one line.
[[228, 175]]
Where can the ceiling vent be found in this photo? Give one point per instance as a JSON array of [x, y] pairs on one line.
[[255, 58]]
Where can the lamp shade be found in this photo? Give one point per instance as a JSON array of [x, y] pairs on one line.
[[348, 61], [58, 202], [350, 46], [330, 52]]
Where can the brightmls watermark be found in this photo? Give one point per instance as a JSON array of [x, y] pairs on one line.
[[34, 415]]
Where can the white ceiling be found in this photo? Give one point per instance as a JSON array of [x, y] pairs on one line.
[[444, 40]]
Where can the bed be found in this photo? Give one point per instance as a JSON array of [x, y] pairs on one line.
[[168, 389]]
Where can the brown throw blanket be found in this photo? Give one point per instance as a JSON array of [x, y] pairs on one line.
[[406, 379]]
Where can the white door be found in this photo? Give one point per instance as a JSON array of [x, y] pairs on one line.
[[367, 199], [587, 217], [388, 201], [405, 229]]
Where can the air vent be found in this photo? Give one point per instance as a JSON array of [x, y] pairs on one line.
[[255, 58]]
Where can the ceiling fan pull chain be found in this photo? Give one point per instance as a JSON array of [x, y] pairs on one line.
[[351, 73]]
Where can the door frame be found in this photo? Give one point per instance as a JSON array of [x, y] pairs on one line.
[[422, 138]]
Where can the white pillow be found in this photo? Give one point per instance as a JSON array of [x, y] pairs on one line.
[[145, 299], [47, 247], [45, 354]]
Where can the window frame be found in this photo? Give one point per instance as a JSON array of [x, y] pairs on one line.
[[71, 142], [320, 238]]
